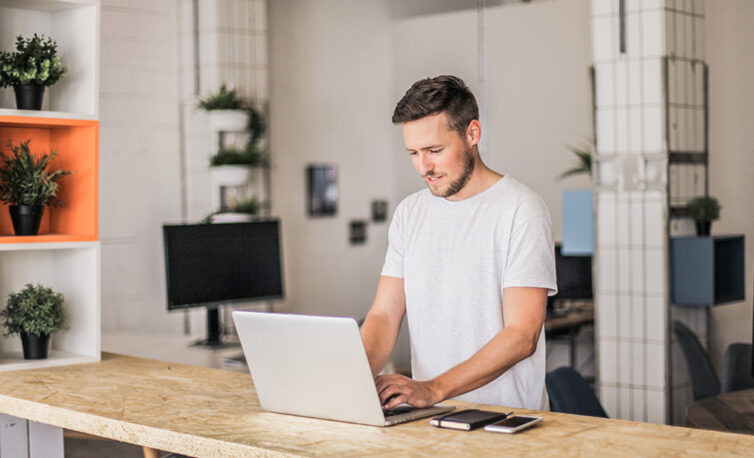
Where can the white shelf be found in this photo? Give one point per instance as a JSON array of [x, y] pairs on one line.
[[72, 269], [47, 246], [46, 114], [14, 361], [74, 25]]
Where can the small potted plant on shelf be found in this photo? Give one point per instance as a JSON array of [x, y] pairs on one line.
[[35, 313], [703, 210], [233, 167], [228, 112], [29, 69], [237, 212], [27, 186]]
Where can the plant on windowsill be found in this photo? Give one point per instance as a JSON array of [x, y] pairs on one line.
[[34, 313], [29, 69], [27, 186], [703, 210]]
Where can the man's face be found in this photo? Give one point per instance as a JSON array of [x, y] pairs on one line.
[[441, 156]]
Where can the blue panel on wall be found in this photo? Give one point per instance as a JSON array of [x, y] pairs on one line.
[[578, 223]]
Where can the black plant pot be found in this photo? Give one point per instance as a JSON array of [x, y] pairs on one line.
[[703, 228], [29, 96], [26, 218], [35, 346]]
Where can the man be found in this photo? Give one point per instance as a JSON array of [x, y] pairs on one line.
[[470, 263]]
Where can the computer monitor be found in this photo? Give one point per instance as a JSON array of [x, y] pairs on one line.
[[208, 265], [574, 276]]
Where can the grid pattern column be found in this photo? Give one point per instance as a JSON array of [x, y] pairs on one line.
[[631, 39]]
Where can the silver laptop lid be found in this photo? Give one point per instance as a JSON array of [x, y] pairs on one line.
[[309, 365]]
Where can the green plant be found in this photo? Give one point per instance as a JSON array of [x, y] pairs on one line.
[[25, 180], [224, 99], [584, 155], [34, 310], [705, 208], [251, 155], [34, 61], [250, 206]]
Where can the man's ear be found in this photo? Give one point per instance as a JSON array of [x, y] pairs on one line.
[[474, 132]]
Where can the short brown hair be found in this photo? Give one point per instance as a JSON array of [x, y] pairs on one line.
[[442, 94]]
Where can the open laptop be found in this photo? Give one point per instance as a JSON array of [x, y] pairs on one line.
[[316, 366]]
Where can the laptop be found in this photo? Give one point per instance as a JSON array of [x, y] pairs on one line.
[[316, 366]]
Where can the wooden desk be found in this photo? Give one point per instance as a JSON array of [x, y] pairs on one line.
[[569, 324], [211, 412], [732, 412]]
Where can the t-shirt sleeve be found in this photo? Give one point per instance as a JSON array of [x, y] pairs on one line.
[[531, 256], [393, 266]]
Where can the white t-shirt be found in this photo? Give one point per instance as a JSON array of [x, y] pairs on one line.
[[455, 259]]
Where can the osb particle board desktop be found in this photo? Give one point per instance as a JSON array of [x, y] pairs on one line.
[[210, 412]]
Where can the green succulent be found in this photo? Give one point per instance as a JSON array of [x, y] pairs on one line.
[[34, 310], [224, 99], [34, 61], [251, 155], [25, 180], [705, 208], [584, 160]]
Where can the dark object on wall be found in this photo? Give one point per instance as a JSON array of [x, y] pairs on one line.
[[29, 96], [736, 373], [35, 346], [569, 392], [26, 218], [322, 190], [707, 270], [379, 211], [357, 231], [209, 265], [574, 277], [704, 381]]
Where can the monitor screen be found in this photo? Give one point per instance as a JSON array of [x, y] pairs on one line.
[[211, 264], [574, 276]]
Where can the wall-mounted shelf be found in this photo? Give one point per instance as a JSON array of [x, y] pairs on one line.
[[74, 25], [77, 142], [69, 268], [707, 270]]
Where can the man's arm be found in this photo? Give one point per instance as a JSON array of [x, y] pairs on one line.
[[523, 313], [383, 322]]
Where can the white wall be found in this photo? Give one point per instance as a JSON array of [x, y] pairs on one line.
[[139, 166], [731, 78], [330, 70]]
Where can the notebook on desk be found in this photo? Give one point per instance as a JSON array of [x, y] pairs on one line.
[[315, 367]]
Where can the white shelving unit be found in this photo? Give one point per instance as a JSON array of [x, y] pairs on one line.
[[74, 25], [69, 267]]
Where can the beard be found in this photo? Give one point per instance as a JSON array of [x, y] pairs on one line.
[[455, 186]]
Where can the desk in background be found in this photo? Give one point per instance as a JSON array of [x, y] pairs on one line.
[[731, 412], [568, 325], [209, 412]]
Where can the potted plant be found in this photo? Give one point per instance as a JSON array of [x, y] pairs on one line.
[[227, 111], [233, 167], [35, 312], [27, 186], [703, 210], [29, 69]]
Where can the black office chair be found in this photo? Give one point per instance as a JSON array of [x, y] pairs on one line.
[[737, 368], [704, 381], [570, 393]]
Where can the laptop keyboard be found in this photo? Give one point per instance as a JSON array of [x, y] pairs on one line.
[[398, 410]]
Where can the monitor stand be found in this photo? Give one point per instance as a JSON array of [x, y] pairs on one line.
[[214, 336]]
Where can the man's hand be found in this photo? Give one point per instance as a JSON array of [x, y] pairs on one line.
[[396, 389]]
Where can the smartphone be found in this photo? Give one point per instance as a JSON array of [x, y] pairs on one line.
[[512, 424]]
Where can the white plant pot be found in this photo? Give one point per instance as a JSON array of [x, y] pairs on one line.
[[232, 218], [231, 175], [229, 120]]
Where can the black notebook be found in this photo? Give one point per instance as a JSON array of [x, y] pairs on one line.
[[468, 419]]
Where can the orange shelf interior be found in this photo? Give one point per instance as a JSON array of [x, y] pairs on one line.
[[76, 143]]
